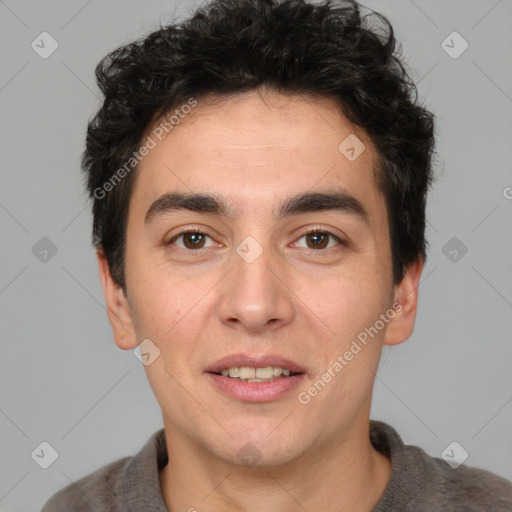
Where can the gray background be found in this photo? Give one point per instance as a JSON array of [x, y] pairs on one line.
[[62, 378]]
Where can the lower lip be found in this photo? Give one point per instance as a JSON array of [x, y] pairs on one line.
[[256, 391]]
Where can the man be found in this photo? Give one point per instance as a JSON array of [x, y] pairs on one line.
[[259, 177]]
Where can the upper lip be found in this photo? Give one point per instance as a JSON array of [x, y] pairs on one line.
[[253, 361]]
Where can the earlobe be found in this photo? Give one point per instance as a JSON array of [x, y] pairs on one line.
[[406, 299], [118, 310]]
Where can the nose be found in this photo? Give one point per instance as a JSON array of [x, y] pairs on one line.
[[255, 295]]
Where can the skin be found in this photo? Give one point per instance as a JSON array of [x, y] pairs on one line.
[[254, 150]]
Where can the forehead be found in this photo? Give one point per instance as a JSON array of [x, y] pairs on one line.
[[252, 148]]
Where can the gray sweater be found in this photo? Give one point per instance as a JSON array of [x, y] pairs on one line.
[[418, 483]]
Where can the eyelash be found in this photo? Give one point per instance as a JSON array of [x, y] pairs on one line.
[[315, 252]]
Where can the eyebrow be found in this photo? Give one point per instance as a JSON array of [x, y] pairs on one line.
[[340, 201]]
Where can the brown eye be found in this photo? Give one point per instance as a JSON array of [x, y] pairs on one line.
[[318, 240], [193, 240], [190, 240]]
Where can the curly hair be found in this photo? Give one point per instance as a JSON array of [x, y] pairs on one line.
[[232, 46]]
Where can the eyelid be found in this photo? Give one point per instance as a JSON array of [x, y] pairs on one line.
[[186, 231], [320, 229], [343, 241]]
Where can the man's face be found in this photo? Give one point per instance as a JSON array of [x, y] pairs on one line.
[[253, 283]]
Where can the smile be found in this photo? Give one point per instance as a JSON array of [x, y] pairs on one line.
[[263, 374]]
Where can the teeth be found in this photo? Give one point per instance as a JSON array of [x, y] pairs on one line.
[[245, 373], [248, 374], [233, 372], [264, 373]]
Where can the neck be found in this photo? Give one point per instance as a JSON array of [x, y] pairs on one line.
[[345, 470]]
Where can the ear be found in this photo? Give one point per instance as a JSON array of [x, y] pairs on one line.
[[118, 309], [401, 325]]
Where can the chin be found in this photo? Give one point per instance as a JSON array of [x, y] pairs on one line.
[[262, 443]]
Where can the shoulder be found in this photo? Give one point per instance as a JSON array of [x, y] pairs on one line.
[[420, 482], [98, 491], [462, 489], [130, 483], [467, 488]]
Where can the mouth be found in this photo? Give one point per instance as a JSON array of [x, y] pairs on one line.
[[255, 379], [261, 374]]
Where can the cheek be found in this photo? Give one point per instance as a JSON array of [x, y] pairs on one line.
[[154, 304], [157, 299], [170, 309], [349, 301], [158, 310]]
